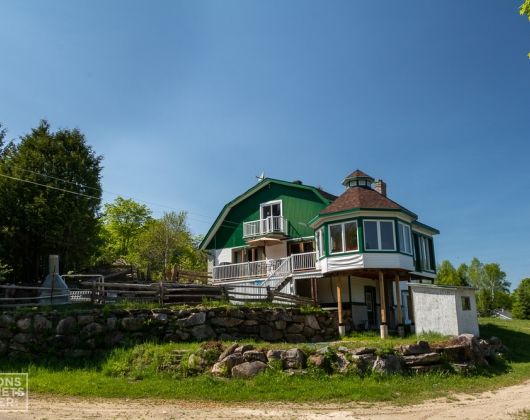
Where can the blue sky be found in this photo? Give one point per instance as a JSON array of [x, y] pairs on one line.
[[189, 101]]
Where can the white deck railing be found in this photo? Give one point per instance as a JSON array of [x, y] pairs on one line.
[[272, 224], [262, 269], [304, 261]]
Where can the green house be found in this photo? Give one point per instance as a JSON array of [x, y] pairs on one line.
[[355, 253]]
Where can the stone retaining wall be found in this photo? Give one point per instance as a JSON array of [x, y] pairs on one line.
[[82, 333]]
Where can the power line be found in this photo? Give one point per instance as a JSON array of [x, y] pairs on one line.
[[49, 186], [97, 198], [209, 220]]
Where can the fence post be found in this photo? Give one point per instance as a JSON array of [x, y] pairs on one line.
[[53, 284], [93, 294], [270, 297], [161, 293], [102, 290]]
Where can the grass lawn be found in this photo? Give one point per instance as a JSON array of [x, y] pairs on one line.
[[141, 377]]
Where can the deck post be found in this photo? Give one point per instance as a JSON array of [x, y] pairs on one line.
[[400, 327], [342, 328], [382, 300]]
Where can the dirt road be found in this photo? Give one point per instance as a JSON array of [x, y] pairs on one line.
[[504, 403]]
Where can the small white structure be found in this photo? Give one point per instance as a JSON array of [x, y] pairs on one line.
[[447, 310]]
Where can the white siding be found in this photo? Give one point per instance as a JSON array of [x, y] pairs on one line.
[[434, 311], [439, 309], [366, 260], [467, 320], [388, 260], [342, 262]]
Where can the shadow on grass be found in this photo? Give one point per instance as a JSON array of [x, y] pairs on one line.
[[517, 342]]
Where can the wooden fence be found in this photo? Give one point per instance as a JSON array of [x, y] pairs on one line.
[[98, 291]]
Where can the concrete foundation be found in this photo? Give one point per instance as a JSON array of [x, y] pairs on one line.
[[384, 331]]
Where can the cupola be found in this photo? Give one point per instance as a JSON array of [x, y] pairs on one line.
[[358, 179]]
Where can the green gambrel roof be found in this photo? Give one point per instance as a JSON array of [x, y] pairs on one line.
[[324, 196]]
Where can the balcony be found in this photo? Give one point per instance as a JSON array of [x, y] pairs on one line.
[[267, 226], [265, 268]]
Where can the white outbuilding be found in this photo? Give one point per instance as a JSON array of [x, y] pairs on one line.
[[447, 310]]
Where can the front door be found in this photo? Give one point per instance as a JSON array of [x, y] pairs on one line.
[[369, 299]]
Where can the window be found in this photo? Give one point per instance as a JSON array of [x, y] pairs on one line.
[[320, 246], [426, 260], [335, 238], [273, 208], [350, 236], [379, 235], [300, 247], [405, 243], [466, 303], [343, 237]]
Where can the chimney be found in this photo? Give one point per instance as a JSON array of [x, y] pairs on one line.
[[380, 187]]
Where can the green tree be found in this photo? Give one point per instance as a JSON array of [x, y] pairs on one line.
[[50, 194], [165, 242], [521, 300], [524, 9], [449, 276], [123, 221], [492, 287]]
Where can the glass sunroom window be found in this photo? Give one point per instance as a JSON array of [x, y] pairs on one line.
[[405, 243], [335, 236], [343, 237], [371, 238], [379, 235], [350, 236]]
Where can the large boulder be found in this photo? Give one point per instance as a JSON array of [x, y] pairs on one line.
[[248, 369], [6, 321], [91, 330], [41, 324], [294, 359], [388, 364], [224, 367], [422, 359], [66, 326], [267, 333], [421, 347], [202, 332], [253, 355], [228, 351], [132, 323], [24, 324], [226, 322], [363, 350], [275, 355], [473, 350], [311, 322], [194, 319]]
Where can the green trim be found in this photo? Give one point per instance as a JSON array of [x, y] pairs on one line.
[[220, 218], [427, 227], [324, 217]]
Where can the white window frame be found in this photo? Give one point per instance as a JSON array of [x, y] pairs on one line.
[[378, 224], [319, 241], [425, 253], [269, 203], [343, 237], [405, 226]]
